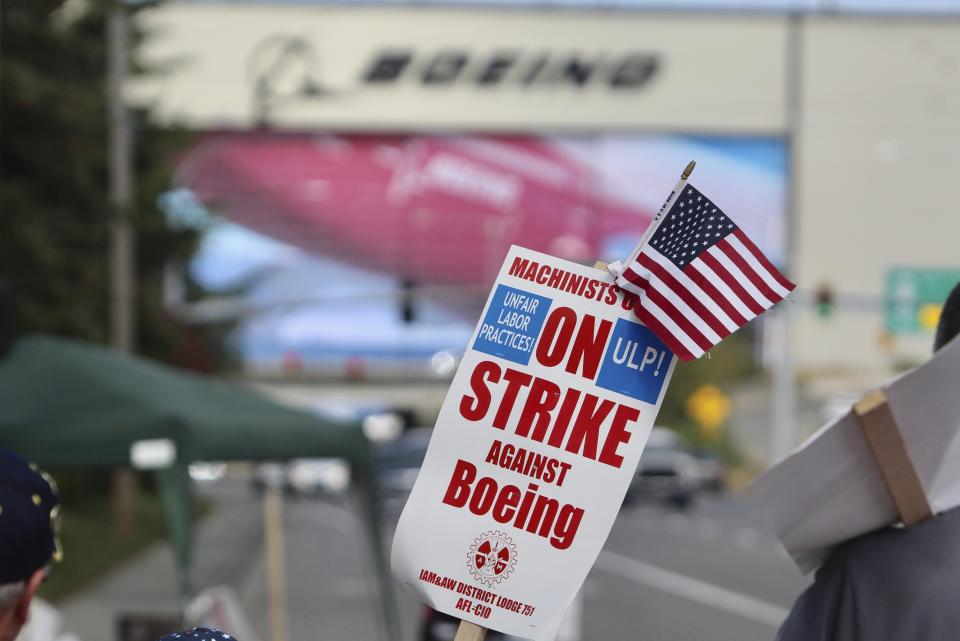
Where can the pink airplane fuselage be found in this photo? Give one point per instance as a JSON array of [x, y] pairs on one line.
[[434, 210]]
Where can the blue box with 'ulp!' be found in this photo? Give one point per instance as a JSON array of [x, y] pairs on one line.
[[636, 362], [512, 324]]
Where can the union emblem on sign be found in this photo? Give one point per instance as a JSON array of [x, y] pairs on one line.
[[492, 557]]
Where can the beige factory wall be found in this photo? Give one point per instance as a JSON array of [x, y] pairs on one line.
[[877, 156], [464, 69], [877, 176]]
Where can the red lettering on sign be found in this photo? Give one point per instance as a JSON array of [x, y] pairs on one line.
[[537, 514], [585, 436], [544, 396], [581, 423], [527, 462], [555, 337], [618, 434], [475, 408], [518, 267], [612, 293], [543, 274], [555, 278], [587, 348], [506, 505], [574, 284], [560, 425], [562, 280], [602, 287], [459, 489], [515, 380], [483, 496]]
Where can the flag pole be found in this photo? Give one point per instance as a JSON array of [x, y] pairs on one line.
[[672, 198]]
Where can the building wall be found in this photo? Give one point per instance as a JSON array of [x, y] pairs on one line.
[[464, 69], [876, 178], [876, 134]]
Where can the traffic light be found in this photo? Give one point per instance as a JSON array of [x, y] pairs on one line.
[[825, 301], [408, 303]]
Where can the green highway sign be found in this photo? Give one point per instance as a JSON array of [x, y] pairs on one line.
[[914, 297]]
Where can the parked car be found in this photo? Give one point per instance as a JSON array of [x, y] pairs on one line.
[[397, 466], [711, 471], [271, 474], [317, 476], [666, 472], [207, 471], [329, 476]]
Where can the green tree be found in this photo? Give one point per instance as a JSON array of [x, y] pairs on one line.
[[728, 364], [54, 231]]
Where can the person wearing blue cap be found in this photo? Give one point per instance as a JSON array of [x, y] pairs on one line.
[[198, 634], [29, 519]]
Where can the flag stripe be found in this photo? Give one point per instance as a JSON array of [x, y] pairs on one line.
[[662, 332], [757, 266], [696, 291], [667, 300], [634, 281], [684, 301], [740, 278], [672, 328], [748, 271], [631, 282], [658, 296], [786, 284], [737, 292], [715, 295], [724, 292]]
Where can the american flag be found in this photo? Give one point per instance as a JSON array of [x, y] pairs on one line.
[[699, 278]]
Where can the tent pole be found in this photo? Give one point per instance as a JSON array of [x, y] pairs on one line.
[[176, 495], [388, 604]]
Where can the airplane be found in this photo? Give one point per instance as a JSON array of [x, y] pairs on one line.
[[431, 210]]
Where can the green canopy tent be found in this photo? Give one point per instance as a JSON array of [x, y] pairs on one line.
[[67, 403]]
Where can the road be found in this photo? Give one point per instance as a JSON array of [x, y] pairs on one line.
[[714, 573]]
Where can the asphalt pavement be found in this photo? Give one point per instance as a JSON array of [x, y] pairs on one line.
[[713, 573]]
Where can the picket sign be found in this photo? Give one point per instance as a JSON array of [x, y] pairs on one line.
[[880, 429], [534, 449], [471, 631]]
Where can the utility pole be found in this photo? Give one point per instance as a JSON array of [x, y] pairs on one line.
[[122, 268], [784, 395]]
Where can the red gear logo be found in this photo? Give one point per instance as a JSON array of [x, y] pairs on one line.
[[492, 557]]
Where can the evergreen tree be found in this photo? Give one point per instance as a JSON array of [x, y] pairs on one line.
[[54, 213]]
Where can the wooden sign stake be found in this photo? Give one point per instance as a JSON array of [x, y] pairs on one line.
[[470, 632], [883, 436], [276, 562]]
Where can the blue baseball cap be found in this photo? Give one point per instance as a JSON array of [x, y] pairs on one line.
[[29, 518], [198, 634]]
